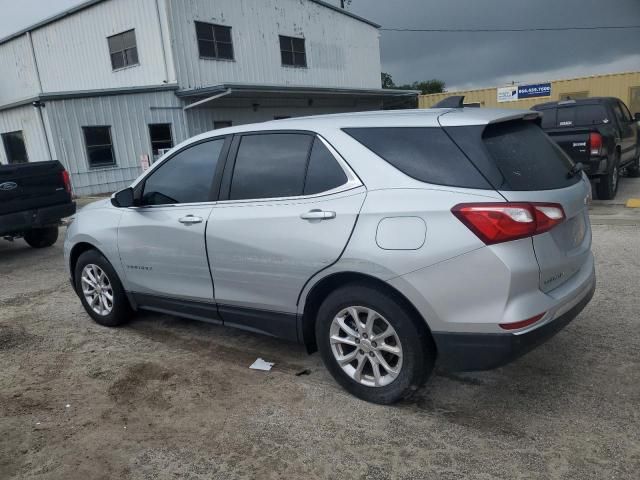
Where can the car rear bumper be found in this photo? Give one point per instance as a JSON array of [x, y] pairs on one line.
[[485, 351], [19, 222]]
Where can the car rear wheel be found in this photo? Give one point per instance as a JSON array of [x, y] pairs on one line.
[[371, 345], [608, 185], [41, 237], [100, 290]]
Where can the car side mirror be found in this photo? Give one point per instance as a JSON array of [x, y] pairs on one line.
[[123, 198], [636, 116]]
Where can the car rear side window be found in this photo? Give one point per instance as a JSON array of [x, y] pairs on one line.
[[426, 154], [526, 157], [324, 173], [574, 116], [187, 177], [270, 166]]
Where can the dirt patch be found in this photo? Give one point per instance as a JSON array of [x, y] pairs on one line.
[[143, 383], [15, 337]]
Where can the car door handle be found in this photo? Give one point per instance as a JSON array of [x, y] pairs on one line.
[[190, 220], [318, 215]]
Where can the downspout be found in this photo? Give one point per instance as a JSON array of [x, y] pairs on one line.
[[164, 51], [38, 104]]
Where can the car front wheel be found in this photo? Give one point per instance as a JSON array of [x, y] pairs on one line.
[[371, 345], [100, 290]]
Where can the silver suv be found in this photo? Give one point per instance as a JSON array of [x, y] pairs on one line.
[[385, 240]]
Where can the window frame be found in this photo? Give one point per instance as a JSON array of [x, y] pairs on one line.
[[290, 39], [353, 181], [169, 124], [86, 148], [214, 192], [215, 42], [123, 51], [6, 152]]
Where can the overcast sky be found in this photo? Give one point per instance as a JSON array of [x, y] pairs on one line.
[[468, 59]]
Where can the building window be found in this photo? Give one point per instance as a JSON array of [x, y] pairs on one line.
[[123, 50], [221, 124], [14, 147], [161, 139], [99, 146], [214, 41], [292, 51]]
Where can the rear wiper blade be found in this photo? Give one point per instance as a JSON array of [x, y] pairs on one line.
[[575, 170]]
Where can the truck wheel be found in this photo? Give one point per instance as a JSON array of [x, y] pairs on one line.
[[100, 290], [608, 185], [41, 237], [633, 170], [371, 345]]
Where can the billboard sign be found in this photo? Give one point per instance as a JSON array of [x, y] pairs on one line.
[[507, 94], [536, 90]]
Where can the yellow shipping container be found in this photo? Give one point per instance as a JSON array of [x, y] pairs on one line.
[[625, 86]]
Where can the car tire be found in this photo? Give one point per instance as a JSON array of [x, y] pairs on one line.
[[41, 237], [92, 269], [633, 170], [414, 355], [608, 185]]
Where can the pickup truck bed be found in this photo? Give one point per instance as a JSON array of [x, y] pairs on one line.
[[34, 197]]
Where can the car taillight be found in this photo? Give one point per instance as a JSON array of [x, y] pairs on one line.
[[502, 222], [66, 181], [595, 144]]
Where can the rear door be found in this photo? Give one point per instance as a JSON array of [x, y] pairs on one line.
[[287, 208], [536, 170], [628, 133]]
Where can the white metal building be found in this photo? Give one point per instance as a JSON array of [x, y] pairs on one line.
[[106, 83]]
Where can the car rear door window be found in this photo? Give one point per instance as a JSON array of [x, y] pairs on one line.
[[324, 173], [187, 177], [272, 165], [424, 153], [526, 157]]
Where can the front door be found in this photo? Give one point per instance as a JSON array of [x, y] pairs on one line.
[[162, 241], [290, 207]]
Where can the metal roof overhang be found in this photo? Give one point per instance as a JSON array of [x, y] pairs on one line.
[[204, 96]]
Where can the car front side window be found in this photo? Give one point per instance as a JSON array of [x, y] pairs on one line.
[[187, 177]]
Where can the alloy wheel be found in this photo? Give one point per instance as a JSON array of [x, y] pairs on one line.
[[97, 289], [366, 346]]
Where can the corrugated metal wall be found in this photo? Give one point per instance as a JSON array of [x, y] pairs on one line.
[[129, 117], [614, 85], [341, 51], [201, 120], [25, 119], [18, 79], [78, 44]]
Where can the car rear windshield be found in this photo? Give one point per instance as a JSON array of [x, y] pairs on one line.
[[574, 116], [426, 154], [526, 157]]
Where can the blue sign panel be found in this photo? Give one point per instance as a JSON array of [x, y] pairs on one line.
[[537, 90]]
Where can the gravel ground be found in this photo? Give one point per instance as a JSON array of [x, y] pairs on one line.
[[168, 398]]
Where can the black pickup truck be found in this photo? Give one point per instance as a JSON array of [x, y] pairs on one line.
[[34, 197], [598, 132]]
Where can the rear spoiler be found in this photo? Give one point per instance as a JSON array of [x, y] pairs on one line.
[[455, 101]]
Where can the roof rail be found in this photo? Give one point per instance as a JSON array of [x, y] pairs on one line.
[[454, 101]]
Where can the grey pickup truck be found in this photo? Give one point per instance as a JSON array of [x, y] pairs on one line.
[[34, 198], [600, 133]]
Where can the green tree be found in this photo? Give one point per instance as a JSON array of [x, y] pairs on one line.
[[426, 86], [387, 80]]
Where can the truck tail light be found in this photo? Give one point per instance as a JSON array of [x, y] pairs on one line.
[[503, 222], [595, 144], [66, 180]]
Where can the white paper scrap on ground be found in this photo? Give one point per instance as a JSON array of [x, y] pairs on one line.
[[260, 364]]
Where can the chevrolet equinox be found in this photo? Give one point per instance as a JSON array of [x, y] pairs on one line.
[[387, 241]]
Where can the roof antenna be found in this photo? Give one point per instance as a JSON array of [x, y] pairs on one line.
[[454, 101]]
